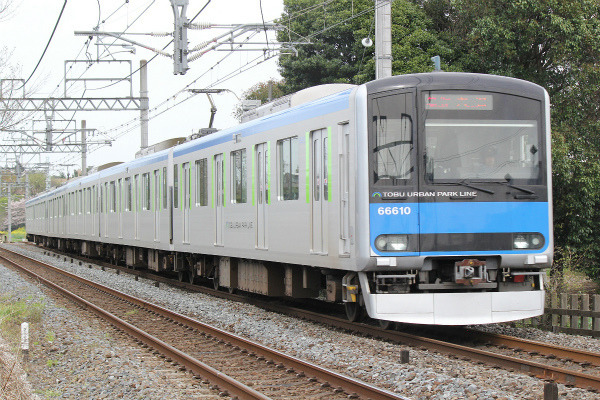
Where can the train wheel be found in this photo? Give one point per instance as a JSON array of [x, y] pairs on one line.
[[385, 324], [354, 312]]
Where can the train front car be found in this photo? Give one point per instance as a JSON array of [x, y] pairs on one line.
[[459, 200]]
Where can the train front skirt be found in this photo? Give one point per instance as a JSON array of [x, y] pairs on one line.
[[465, 308]]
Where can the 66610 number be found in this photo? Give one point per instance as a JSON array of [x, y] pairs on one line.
[[394, 210]]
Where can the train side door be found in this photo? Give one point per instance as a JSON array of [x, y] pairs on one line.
[[262, 194], [119, 189], [344, 176], [157, 182], [136, 205], [186, 198], [319, 174], [219, 197]]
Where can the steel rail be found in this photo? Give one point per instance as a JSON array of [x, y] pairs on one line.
[[225, 382], [353, 386], [544, 349], [542, 371]]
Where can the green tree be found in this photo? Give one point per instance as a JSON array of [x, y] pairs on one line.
[[336, 29], [553, 43], [261, 91]]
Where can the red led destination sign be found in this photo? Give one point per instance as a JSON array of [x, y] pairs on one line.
[[471, 102]]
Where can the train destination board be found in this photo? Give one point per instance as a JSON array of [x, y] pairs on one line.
[[471, 101]]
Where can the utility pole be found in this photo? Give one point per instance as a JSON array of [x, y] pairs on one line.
[[48, 181], [9, 214], [180, 42], [144, 104], [383, 39], [83, 148]]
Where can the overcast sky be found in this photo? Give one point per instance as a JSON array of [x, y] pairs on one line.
[[27, 29]]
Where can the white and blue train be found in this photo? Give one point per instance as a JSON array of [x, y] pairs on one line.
[[421, 198]]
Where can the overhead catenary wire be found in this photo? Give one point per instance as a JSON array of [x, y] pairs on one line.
[[127, 127], [47, 44]]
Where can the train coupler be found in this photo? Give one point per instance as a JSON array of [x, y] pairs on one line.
[[470, 272]]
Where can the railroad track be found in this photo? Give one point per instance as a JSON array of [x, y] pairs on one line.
[[238, 367], [518, 357]]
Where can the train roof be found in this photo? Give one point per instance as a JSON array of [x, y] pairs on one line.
[[326, 105], [458, 80]]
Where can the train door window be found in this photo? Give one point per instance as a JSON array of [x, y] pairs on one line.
[[120, 195], [112, 197], [88, 200], [201, 182], [128, 194], [289, 168], [186, 186], [164, 187], [156, 186], [146, 191], [393, 138], [238, 160], [176, 186]]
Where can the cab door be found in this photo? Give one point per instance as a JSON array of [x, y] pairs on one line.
[[393, 174]]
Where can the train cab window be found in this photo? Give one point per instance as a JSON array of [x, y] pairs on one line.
[[176, 186], [289, 168], [474, 139], [238, 159], [201, 182], [392, 138]]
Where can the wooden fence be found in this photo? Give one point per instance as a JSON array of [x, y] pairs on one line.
[[577, 314]]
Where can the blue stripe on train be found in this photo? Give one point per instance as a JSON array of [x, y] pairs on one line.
[[454, 217]]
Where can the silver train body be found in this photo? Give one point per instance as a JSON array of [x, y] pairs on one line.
[[367, 195]]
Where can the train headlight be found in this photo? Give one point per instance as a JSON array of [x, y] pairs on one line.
[[530, 241], [391, 242]]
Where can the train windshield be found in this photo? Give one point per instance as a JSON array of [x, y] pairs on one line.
[[500, 141]]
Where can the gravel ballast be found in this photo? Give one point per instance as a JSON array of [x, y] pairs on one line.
[[95, 362]]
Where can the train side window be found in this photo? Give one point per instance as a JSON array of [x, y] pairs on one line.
[[201, 182], [289, 168], [238, 159], [175, 186]]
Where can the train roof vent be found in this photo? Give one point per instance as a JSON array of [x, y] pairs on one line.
[[165, 144], [295, 99]]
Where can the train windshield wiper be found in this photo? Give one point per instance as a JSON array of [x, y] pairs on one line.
[[510, 185], [467, 183]]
